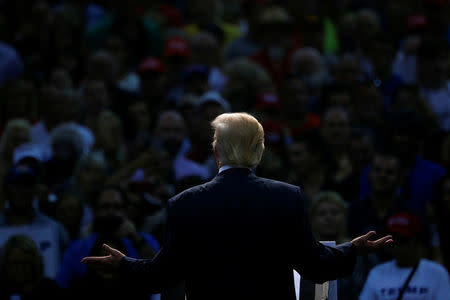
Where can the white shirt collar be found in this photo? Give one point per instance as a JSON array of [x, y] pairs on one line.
[[223, 168], [226, 167]]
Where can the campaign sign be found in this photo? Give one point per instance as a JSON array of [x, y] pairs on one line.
[[46, 239]]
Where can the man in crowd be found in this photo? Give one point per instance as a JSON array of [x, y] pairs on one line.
[[408, 275], [220, 258], [385, 179]]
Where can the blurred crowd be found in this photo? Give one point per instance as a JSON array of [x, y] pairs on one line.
[[105, 111]]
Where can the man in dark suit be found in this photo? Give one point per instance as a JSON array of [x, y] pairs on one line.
[[238, 236]]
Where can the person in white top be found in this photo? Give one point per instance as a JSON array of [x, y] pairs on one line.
[[428, 280]]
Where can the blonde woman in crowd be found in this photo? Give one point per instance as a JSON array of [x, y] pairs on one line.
[[17, 132]]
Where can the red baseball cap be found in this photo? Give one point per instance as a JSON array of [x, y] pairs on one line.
[[176, 46], [416, 22], [404, 224], [151, 65]]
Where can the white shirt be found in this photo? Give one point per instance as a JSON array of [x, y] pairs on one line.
[[439, 101], [223, 168], [429, 282]]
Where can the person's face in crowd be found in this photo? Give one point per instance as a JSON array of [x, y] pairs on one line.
[[153, 86], [95, 95], [385, 174], [117, 48], [197, 84], [135, 208], [171, 129], [397, 13], [69, 211], [300, 158], [328, 219], [367, 105], [367, 25], [311, 70], [52, 106], [91, 177], [271, 165], [405, 250], [41, 12], [276, 39], [71, 111], [20, 197], [140, 115], [251, 13], [300, 9], [175, 65], [346, 27], [16, 137], [64, 151], [341, 99], [348, 71], [361, 152], [109, 134], [202, 12], [110, 203], [61, 80], [210, 111], [335, 128], [306, 65], [18, 100], [382, 55], [205, 50], [239, 91], [405, 143], [103, 66], [315, 39], [19, 270], [295, 98], [403, 101], [63, 34]]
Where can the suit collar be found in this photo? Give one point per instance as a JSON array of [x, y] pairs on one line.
[[234, 171]]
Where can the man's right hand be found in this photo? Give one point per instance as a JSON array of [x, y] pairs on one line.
[[365, 246], [105, 264]]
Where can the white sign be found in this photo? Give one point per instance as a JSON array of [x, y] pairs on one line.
[[46, 239], [325, 291]]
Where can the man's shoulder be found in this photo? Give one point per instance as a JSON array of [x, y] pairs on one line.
[[278, 184], [429, 166], [188, 193], [262, 183], [433, 267]]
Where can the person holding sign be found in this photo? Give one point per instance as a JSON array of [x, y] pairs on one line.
[[238, 236]]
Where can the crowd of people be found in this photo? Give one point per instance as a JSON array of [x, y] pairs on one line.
[[106, 110]]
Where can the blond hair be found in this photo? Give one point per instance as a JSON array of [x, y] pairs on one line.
[[334, 198], [238, 139], [12, 125]]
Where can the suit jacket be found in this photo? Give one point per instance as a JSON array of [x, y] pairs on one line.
[[239, 236]]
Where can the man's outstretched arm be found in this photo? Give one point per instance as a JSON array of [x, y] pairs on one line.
[[153, 275], [321, 263]]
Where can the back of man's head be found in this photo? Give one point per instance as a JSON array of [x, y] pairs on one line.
[[238, 139]]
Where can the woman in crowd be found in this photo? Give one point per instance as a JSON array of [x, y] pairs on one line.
[[22, 272]]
